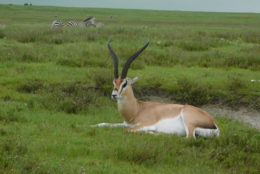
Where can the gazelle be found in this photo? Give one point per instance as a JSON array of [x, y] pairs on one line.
[[152, 117]]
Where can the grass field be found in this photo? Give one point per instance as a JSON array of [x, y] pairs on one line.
[[54, 83]]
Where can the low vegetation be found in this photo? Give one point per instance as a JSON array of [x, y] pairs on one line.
[[55, 83]]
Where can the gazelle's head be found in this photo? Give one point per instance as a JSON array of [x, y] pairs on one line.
[[122, 83]]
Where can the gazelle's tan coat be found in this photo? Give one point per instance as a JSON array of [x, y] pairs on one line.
[[156, 117], [142, 114]]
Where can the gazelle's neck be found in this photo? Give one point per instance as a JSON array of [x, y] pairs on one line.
[[128, 105]]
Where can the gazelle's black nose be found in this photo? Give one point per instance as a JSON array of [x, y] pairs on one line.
[[113, 96]]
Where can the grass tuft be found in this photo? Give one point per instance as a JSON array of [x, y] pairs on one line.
[[146, 154], [192, 93], [31, 86], [2, 34]]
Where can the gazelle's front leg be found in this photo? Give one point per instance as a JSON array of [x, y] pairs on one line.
[[141, 128], [124, 124]]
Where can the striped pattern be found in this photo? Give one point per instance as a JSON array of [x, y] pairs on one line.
[[90, 21], [76, 23], [57, 24]]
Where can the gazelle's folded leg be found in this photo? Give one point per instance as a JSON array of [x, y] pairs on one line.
[[124, 124]]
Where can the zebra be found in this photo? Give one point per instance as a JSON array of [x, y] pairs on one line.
[[57, 24], [90, 21], [76, 23]]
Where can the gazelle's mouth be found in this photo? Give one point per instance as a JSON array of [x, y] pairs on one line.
[[114, 97]]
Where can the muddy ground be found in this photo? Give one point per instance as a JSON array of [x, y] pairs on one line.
[[249, 116]]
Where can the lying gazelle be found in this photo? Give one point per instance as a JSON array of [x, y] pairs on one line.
[[185, 120]]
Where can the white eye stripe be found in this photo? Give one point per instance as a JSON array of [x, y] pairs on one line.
[[122, 86]]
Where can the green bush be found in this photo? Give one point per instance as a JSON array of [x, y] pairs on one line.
[[103, 80], [70, 62], [190, 45], [191, 92], [2, 34], [251, 37], [31, 86], [10, 116]]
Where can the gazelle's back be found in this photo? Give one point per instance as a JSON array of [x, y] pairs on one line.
[[152, 112]]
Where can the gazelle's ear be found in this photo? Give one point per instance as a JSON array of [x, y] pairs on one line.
[[133, 80]]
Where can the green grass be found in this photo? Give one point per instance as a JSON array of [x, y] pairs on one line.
[[54, 83], [37, 141]]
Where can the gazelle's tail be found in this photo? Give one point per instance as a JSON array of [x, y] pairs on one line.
[[207, 132]]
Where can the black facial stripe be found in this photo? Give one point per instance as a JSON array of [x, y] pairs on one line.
[[124, 85]]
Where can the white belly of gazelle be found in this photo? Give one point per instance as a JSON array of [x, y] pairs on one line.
[[168, 125]]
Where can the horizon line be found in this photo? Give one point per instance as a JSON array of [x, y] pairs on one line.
[[181, 10]]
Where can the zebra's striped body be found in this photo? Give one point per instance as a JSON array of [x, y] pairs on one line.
[[87, 22], [90, 21], [57, 24], [76, 23]]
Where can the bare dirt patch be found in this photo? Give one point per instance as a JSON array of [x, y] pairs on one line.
[[249, 116]]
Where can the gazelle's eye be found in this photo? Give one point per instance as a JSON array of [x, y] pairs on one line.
[[124, 85]]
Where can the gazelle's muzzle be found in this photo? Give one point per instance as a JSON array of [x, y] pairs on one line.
[[114, 95]]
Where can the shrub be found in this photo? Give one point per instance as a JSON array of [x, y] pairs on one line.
[[235, 84], [69, 62], [225, 35], [31, 86], [57, 39], [2, 34], [10, 116], [252, 37], [141, 154], [103, 80], [193, 45], [190, 92], [11, 151], [72, 97], [26, 37]]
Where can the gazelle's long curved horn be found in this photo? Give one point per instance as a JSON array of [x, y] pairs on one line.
[[131, 59], [114, 57]]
